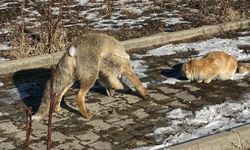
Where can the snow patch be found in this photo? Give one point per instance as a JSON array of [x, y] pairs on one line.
[[186, 125]]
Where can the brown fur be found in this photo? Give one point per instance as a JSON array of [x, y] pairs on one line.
[[97, 56], [214, 65]]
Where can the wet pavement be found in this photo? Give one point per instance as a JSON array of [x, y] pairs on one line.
[[120, 122]]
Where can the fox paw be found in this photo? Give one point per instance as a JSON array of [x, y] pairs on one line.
[[36, 117], [57, 109], [110, 92], [88, 115]]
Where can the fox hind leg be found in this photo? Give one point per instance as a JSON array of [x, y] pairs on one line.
[[111, 82], [127, 71]]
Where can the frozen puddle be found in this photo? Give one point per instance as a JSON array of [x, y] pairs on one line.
[[187, 125]]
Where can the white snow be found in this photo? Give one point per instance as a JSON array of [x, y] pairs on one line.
[[5, 46], [106, 19], [186, 125], [82, 2], [23, 91], [3, 114], [227, 45], [1, 84]]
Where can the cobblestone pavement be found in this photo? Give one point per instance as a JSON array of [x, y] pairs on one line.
[[119, 122]]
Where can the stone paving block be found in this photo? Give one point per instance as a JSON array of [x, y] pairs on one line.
[[59, 137], [38, 146], [38, 125], [178, 104], [191, 88], [168, 90], [131, 99], [88, 137], [101, 146], [140, 114], [124, 123], [185, 96], [243, 84], [159, 97], [120, 136], [163, 111], [120, 103], [116, 117], [70, 145], [21, 135], [108, 99], [3, 139], [8, 128], [96, 108], [99, 125], [145, 104], [7, 145]]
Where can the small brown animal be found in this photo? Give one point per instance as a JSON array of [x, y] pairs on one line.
[[90, 57], [214, 65]]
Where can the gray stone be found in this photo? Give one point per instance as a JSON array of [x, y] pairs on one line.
[[70, 145], [7, 145], [185, 96], [168, 90], [38, 146], [124, 123], [243, 84], [159, 97], [131, 99], [101, 145], [99, 125], [8, 128], [107, 99], [177, 104], [3, 139], [88, 137], [140, 114], [191, 88], [59, 137]]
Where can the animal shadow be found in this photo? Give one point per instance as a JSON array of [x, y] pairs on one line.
[[175, 72]]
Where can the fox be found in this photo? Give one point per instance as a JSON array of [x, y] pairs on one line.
[[214, 65], [89, 58]]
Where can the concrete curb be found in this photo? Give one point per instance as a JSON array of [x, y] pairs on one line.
[[234, 139], [144, 42]]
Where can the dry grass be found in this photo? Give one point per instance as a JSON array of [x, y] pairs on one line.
[[47, 38], [216, 11], [35, 41]]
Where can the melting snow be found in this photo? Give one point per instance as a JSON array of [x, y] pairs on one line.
[[186, 125], [227, 45]]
